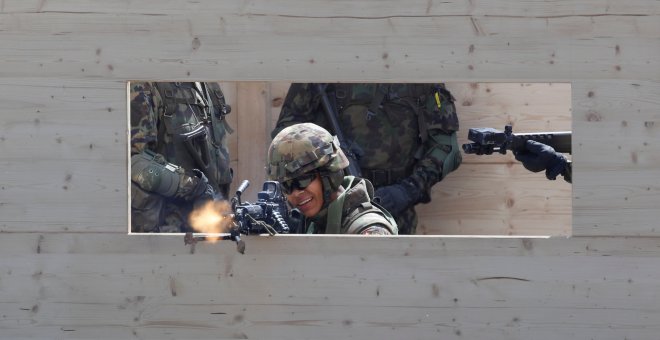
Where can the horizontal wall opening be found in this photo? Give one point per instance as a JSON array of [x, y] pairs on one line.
[[488, 195]]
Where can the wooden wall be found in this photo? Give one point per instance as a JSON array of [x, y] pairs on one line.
[[68, 269]]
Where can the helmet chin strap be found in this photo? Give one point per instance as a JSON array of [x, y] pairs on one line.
[[328, 190]]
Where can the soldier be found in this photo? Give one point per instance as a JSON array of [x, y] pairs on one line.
[[308, 162], [403, 135], [179, 156], [539, 157]]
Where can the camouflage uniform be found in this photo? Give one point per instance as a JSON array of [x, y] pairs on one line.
[[402, 134], [178, 152], [306, 148], [358, 212]]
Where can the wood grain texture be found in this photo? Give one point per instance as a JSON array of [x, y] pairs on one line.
[[481, 288], [617, 143], [68, 269], [266, 42]]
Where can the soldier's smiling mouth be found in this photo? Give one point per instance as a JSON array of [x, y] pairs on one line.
[[304, 202]]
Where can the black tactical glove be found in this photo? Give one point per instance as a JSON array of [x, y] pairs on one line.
[[398, 197], [539, 157], [195, 187]]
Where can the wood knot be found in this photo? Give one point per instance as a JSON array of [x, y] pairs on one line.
[[277, 102], [593, 116], [196, 44]]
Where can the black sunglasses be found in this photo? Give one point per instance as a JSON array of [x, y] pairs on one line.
[[300, 183]]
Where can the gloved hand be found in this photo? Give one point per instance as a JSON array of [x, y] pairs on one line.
[[398, 197], [538, 157], [195, 187]]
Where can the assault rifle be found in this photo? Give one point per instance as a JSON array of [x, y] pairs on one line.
[[352, 151], [485, 141], [268, 215]]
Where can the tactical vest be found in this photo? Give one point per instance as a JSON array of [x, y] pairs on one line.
[[372, 97], [367, 214], [194, 129]]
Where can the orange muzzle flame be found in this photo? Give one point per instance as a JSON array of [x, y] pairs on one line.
[[214, 217]]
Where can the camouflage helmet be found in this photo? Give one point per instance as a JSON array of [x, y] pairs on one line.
[[301, 148]]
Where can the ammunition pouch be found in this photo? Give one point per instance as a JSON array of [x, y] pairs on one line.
[[151, 172]]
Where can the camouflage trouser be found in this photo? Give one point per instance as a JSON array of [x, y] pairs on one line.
[[407, 221]]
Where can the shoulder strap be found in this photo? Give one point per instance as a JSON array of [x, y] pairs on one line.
[[220, 106], [171, 98], [335, 209], [167, 93]]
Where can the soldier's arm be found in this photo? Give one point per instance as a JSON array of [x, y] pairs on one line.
[[301, 105], [152, 172], [144, 117], [441, 153]]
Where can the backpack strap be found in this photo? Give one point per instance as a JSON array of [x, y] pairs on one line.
[[173, 95], [220, 108]]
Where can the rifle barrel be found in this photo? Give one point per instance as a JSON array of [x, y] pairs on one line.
[[560, 141]]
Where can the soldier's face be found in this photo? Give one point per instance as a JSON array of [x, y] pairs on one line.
[[310, 199]]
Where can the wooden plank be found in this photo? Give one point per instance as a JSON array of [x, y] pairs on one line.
[[485, 288], [617, 134], [253, 99], [364, 8], [64, 155], [185, 45]]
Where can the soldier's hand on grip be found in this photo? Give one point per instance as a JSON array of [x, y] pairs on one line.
[[538, 157]]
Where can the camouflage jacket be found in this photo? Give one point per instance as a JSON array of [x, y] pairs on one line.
[[405, 134], [185, 123], [352, 212]]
